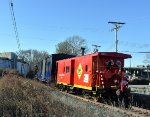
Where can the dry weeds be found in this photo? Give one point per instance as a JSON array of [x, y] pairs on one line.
[[23, 97]]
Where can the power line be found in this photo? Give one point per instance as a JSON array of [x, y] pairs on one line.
[[14, 24], [110, 47], [140, 52]]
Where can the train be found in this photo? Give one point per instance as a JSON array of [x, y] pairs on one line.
[[100, 74]]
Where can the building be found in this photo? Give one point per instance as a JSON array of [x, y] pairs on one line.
[[12, 57], [5, 62], [9, 60]]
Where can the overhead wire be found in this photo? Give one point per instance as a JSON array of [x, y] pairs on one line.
[[14, 24]]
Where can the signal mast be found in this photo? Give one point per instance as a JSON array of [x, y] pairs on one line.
[[96, 48]]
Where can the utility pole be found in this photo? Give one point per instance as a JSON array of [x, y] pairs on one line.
[[116, 28], [96, 48]]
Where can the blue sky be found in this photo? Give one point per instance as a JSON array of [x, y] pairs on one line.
[[44, 23]]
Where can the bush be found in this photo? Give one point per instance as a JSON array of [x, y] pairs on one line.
[[31, 74], [8, 71]]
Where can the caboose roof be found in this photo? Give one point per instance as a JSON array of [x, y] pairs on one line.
[[114, 54], [104, 54]]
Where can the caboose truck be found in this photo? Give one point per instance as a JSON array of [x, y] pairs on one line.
[[100, 74]]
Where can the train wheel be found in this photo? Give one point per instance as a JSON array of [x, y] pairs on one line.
[[85, 94]]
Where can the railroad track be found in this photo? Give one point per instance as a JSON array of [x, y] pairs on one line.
[[141, 112], [131, 112]]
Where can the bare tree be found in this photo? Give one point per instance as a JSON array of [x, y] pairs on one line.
[[64, 47], [72, 45], [32, 56]]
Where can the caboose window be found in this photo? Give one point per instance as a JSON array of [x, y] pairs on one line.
[[67, 69], [86, 68]]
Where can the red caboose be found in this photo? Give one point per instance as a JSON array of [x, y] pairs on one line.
[[97, 71]]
